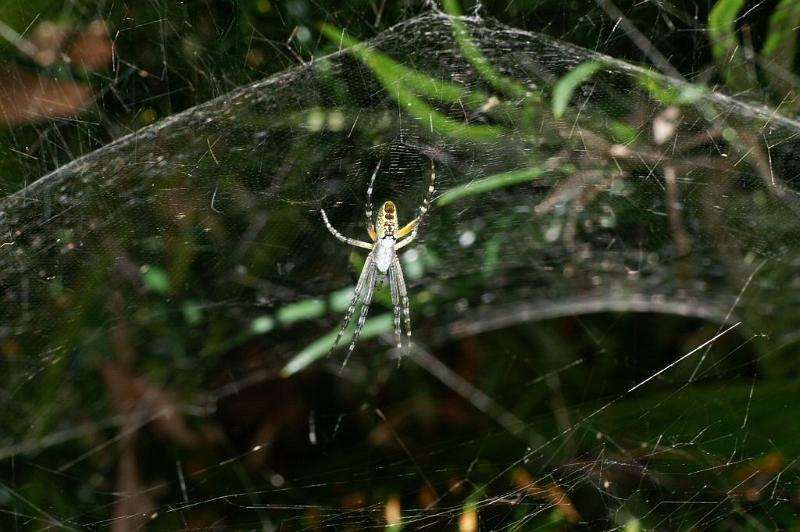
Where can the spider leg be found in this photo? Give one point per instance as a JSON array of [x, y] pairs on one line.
[[395, 304], [403, 292], [413, 225], [370, 222], [403, 243], [340, 236], [368, 266], [408, 228], [370, 288]]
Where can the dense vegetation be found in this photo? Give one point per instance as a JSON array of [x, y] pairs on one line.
[[603, 295]]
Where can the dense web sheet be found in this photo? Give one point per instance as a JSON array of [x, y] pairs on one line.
[[647, 195]]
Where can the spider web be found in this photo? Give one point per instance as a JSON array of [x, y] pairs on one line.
[[648, 195]]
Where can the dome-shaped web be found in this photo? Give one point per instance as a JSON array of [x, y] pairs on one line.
[[568, 184]]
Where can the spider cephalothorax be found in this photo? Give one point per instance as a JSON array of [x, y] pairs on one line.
[[382, 260]]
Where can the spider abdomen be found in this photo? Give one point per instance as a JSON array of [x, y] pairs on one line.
[[386, 224], [384, 254]]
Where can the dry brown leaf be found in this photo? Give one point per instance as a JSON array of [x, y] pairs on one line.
[[92, 48], [134, 395], [134, 504], [551, 493], [28, 97], [469, 520], [393, 512]]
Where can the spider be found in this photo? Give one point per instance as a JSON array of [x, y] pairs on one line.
[[382, 261]]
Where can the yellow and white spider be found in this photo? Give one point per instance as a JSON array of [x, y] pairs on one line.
[[382, 260]]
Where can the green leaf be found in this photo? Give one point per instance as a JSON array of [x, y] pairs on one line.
[[502, 84], [487, 184], [622, 132], [632, 525], [156, 279], [565, 87], [399, 81], [340, 299], [262, 325], [322, 346], [452, 7], [725, 46], [300, 311], [780, 45], [192, 312], [668, 92]]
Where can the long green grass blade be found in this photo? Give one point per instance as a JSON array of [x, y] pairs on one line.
[[725, 47], [399, 81], [487, 184], [565, 87], [319, 348], [780, 47], [502, 84]]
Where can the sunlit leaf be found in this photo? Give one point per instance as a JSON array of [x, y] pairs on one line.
[[780, 45], [391, 75], [668, 92], [373, 327], [563, 90], [156, 279], [302, 310], [192, 312], [262, 324], [487, 184], [725, 45], [503, 84]]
